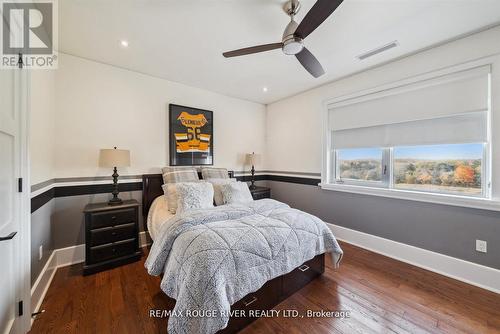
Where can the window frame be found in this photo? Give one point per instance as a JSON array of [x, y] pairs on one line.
[[490, 199], [388, 178], [383, 183]]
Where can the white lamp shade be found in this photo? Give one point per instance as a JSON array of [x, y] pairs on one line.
[[252, 159], [114, 158]]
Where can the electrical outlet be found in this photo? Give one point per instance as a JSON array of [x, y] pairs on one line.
[[481, 246], [40, 252]]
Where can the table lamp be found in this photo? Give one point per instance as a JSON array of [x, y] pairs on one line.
[[252, 159], [114, 158]]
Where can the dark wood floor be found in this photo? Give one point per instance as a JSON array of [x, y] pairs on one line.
[[382, 295]]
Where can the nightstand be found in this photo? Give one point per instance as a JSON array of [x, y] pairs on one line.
[[260, 193], [111, 235]]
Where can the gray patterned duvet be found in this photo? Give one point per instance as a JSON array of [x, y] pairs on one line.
[[211, 258]]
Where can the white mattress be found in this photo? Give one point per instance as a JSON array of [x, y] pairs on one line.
[[158, 215]]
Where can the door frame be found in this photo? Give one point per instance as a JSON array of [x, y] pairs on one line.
[[25, 202], [22, 324]]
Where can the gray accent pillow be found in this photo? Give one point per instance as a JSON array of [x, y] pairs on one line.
[[179, 174], [236, 192], [217, 183], [194, 195], [214, 173]]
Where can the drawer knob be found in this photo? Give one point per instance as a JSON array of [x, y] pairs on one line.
[[250, 301], [113, 233], [304, 267], [113, 217], [113, 250]]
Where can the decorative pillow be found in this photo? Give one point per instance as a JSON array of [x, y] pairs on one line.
[[217, 183], [179, 174], [236, 192], [194, 195], [214, 173], [170, 191]]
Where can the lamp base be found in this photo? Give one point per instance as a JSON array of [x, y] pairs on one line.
[[252, 187], [115, 201]]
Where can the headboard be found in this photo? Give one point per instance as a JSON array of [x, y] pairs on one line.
[[151, 188]]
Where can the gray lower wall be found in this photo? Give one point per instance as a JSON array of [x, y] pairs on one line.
[[440, 228], [443, 229], [41, 234], [60, 223], [68, 221]]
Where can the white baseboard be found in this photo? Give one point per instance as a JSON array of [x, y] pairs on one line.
[[70, 255], [465, 271], [42, 283], [62, 257]]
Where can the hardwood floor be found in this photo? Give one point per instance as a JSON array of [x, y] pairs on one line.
[[383, 296]]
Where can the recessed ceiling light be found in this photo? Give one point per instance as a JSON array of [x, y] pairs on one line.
[[264, 89], [124, 43]]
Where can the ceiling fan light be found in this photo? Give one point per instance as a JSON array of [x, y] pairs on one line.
[[293, 47]]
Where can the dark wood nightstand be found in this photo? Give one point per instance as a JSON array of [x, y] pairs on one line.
[[260, 193], [111, 235]]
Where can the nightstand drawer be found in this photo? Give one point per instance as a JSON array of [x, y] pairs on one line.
[[108, 235], [112, 218], [261, 195], [114, 250]]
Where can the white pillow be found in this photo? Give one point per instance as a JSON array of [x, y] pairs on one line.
[[217, 183], [236, 192], [170, 191], [194, 195]]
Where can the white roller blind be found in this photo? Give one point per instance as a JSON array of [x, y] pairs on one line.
[[466, 128], [448, 109]]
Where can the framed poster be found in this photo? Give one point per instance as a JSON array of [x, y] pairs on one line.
[[191, 138]]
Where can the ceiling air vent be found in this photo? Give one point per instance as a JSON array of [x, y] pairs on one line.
[[378, 50]]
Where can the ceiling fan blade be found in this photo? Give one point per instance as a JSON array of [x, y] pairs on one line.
[[310, 63], [253, 49], [321, 10]]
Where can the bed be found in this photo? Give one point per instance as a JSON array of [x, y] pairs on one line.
[[251, 280]]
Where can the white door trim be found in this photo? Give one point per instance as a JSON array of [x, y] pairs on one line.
[[25, 217]]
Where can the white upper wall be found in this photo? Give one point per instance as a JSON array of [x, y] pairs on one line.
[[42, 125], [294, 125], [101, 106]]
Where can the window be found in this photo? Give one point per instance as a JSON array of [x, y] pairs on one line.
[[426, 136], [440, 168], [360, 164], [457, 169]]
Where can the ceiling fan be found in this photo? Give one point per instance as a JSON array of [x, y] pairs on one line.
[[292, 42]]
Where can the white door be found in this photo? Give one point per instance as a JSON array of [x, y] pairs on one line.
[[10, 200]]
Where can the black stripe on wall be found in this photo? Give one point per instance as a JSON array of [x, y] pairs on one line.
[[91, 189], [40, 200], [293, 179]]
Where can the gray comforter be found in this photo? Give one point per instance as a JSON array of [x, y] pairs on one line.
[[212, 258]]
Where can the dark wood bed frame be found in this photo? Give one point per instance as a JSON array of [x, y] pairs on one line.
[[271, 293]]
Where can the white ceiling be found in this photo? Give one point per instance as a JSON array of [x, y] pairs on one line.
[[182, 40]]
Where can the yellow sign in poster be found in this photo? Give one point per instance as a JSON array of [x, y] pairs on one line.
[[193, 140]]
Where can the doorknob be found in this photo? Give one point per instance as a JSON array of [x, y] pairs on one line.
[[10, 236]]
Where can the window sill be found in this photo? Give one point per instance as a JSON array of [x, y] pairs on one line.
[[446, 199]]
